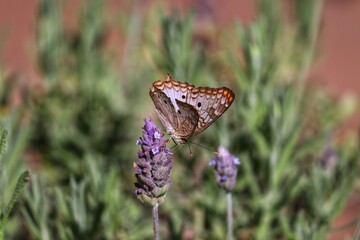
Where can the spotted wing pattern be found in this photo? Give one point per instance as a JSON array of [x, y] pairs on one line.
[[181, 120], [192, 109]]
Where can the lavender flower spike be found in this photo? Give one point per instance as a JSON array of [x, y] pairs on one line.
[[154, 166], [225, 168]]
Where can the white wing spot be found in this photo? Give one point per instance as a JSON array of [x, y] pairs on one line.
[[223, 100], [173, 101]]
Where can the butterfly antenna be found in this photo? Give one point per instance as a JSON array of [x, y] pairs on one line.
[[197, 144]]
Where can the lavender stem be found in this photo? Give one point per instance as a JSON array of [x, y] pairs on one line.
[[229, 216], [155, 213]]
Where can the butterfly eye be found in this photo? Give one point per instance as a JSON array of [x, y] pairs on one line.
[[165, 102], [179, 111], [199, 104], [183, 96]]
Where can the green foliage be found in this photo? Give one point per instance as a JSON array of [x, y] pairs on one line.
[[357, 231], [85, 109], [177, 54], [85, 123], [13, 140], [23, 179], [95, 207], [51, 39], [7, 179], [267, 128]]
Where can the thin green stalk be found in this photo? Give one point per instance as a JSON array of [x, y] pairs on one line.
[[357, 232], [2, 146], [23, 179], [155, 213], [309, 54], [133, 37], [264, 231], [229, 216]]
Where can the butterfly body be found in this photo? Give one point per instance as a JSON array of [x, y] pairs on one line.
[[186, 110]]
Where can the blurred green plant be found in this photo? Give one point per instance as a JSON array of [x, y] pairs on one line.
[[280, 131], [95, 207], [7, 179], [14, 134], [177, 53], [82, 122], [357, 231], [281, 153], [86, 108], [295, 175]]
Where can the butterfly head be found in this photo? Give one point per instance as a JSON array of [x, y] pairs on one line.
[[175, 137]]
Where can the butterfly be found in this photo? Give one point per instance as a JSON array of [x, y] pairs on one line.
[[186, 110]]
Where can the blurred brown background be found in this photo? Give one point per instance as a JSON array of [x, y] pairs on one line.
[[337, 67]]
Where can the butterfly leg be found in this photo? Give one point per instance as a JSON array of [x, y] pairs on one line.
[[190, 150], [187, 142], [175, 143]]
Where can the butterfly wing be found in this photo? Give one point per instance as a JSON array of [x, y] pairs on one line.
[[165, 109], [188, 119], [209, 103], [179, 118]]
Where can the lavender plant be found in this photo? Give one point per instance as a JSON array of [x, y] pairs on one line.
[[178, 54], [6, 186], [267, 65], [85, 121], [85, 105], [14, 134], [95, 207], [225, 165], [153, 170]]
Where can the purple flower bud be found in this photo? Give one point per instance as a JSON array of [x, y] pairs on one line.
[[212, 162], [157, 135], [154, 166], [225, 168], [329, 159], [155, 150]]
